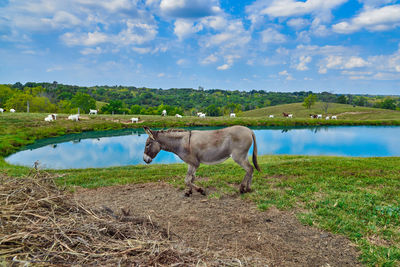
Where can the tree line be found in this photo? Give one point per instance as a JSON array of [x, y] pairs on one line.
[[56, 97]]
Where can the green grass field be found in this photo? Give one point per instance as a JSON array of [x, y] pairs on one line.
[[355, 197], [344, 112]]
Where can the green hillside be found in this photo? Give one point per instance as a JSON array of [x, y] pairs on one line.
[[342, 111]]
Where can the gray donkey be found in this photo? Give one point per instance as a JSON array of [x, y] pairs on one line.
[[208, 147]]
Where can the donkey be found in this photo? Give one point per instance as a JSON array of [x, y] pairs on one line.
[[208, 147]]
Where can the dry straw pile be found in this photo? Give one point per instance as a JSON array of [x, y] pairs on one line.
[[42, 225]]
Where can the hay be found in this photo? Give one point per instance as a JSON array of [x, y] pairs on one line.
[[42, 224]]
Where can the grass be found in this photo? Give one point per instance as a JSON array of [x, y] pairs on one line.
[[355, 197], [343, 111]]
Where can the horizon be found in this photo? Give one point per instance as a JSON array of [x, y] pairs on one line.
[[336, 46]]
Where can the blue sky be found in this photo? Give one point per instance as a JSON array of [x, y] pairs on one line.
[[339, 46]]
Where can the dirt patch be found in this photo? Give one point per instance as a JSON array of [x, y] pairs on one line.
[[227, 228]]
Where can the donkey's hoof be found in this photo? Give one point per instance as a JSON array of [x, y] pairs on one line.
[[188, 194], [201, 191]]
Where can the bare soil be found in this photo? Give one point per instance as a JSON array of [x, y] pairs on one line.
[[229, 229]]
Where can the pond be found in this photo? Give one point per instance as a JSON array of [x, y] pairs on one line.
[[125, 147]]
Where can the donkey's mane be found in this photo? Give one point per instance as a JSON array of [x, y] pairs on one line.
[[172, 131]]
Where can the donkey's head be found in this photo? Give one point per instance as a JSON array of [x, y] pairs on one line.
[[152, 146]]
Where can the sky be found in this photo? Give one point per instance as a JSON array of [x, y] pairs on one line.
[[338, 46]]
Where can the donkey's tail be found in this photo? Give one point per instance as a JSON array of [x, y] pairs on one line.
[[255, 152]]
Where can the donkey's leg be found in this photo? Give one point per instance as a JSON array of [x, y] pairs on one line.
[[189, 181], [243, 161]]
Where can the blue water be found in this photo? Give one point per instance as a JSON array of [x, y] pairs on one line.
[[125, 147]]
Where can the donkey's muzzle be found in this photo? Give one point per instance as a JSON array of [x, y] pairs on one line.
[[147, 159]]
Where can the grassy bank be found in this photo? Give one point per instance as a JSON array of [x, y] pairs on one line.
[[355, 197], [344, 112]]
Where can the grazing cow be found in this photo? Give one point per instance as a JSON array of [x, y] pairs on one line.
[[319, 116], [74, 117], [93, 112], [232, 115], [12, 110], [164, 113], [208, 147], [287, 115], [327, 118], [49, 118], [135, 120], [334, 117], [2, 110], [178, 116], [313, 116], [202, 115], [271, 116], [199, 113]]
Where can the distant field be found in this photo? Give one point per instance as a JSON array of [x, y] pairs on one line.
[[100, 104], [342, 111]]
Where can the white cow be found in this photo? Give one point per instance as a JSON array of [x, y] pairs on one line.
[[178, 116], [334, 117], [271, 116], [93, 111], [232, 115], [290, 116], [12, 110], [202, 115], [164, 113], [327, 118], [135, 120], [48, 118], [1, 110], [74, 117], [319, 116]]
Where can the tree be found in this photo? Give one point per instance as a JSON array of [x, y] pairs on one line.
[[213, 110], [83, 101], [5, 94], [114, 106], [342, 99], [309, 101], [388, 103]]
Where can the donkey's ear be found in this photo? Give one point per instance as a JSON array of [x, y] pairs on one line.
[[148, 131]]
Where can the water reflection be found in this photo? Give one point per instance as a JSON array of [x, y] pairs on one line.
[[125, 147]]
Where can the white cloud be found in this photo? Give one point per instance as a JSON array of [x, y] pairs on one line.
[[223, 67], [86, 39], [374, 19], [189, 8], [181, 62], [142, 50], [233, 35], [303, 61], [229, 59], [341, 62], [287, 8], [55, 68], [271, 35], [90, 51], [298, 23], [160, 75], [291, 8], [286, 74], [210, 59], [135, 33], [184, 28]]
